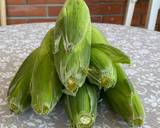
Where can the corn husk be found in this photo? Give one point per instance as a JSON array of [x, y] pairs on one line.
[[19, 91], [46, 88], [103, 56], [72, 45], [82, 108], [124, 100], [102, 71]]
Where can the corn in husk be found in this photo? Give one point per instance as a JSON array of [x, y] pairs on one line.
[[103, 56], [72, 45], [46, 88], [82, 108], [19, 91], [124, 100], [102, 71]]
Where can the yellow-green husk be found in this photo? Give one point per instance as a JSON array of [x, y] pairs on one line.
[[46, 88], [102, 71], [124, 100], [72, 45], [19, 91], [82, 108]]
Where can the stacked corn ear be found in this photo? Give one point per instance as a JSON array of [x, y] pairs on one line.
[[69, 53], [72, 45], [82, 108], [19, 91], [46, 88], [102, 71], [124, 100]]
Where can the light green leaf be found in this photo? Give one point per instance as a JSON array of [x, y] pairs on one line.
[[116, 55]]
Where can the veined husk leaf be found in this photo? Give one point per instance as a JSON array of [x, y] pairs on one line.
[[103, 57], [72, 45], [82, 108], [116, 55], [46, 88], [124, 100], [19, 91]]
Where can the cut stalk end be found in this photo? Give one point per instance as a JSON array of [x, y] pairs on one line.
[[14, 108], [106, 82], [41, 109], [85, 121], [138, 122]]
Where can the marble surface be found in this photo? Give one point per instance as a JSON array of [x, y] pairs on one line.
[[143, 46]]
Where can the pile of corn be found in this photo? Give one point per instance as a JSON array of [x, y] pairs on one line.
[[75, 60]]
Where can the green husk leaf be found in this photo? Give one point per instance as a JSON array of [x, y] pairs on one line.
[[82, 108], [18, 93], [124, 100], [72, 45], [100, 42], [115, 54], [46, 88]]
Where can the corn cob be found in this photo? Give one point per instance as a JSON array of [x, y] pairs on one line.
[[103, 56], [82, 108], [46, 88], [102, 72], [72, 45], [18, 93], [124, 100]]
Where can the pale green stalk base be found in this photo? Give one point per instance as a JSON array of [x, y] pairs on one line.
[[14, 108], [84, 121], [106, 81], [41, 109], [137, 122], [102, 79]]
